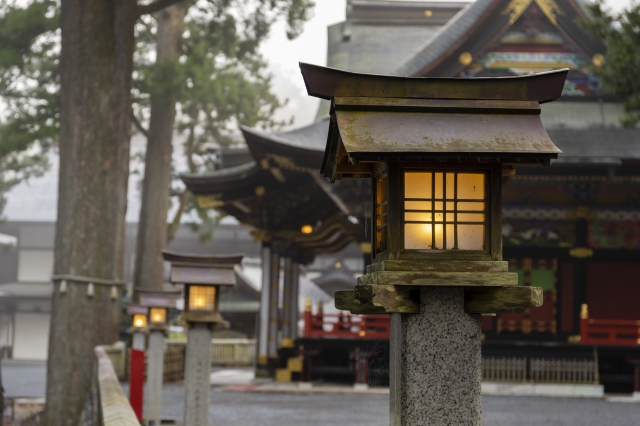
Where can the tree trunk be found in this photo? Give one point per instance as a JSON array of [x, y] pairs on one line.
[[95, 126], [152, 226]]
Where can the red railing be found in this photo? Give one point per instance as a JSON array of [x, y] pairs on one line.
[[347, 326], [608, 332]]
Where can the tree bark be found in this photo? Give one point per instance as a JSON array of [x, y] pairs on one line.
[[95, 126], [152, 225]]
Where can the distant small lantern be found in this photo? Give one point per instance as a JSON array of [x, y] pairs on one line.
[[158, 316], [202, 276], [139, 313], [139, 321], [158, 302]]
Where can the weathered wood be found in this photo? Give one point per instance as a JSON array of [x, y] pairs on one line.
[[495, 213], [379, 299], [501, 300], [114, 405], [445, 255], [395, 212], [441, 279], [345, 301], [438, 266], [393, 299]]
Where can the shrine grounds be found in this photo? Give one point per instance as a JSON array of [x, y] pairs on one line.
[[281, 409]]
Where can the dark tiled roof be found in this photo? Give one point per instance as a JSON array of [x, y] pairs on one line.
[[313, 136], [597, 142], [447, 36], [375, 49]]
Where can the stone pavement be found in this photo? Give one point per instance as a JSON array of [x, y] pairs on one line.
[[351, 409]]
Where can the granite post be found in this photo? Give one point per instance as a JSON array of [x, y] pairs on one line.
[[435, 366], [196, 375], [155, 371]]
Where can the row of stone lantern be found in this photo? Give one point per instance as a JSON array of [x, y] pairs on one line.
[[202, 278]]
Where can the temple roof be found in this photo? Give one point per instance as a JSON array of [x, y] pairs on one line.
[[378, 35], [281, 190], [475, 29]]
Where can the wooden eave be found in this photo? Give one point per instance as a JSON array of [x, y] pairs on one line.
[[272, 151]]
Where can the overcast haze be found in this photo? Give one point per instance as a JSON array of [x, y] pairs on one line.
[[37, 199]]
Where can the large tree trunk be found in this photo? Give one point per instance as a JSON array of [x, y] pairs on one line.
[[152, 226], [95, 125]]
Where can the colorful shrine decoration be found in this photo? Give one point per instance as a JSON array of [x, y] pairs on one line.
[[498, 38]]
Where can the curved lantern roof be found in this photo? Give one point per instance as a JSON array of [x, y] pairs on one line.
[[376, 118]]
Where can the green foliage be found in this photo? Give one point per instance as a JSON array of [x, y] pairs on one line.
[[29, 81], [220, 80], [621, 34]]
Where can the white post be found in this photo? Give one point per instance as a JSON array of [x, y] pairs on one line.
[[155, 370], [286, 299], [294, 309], [262, 368], [196, 375], [272, 351]]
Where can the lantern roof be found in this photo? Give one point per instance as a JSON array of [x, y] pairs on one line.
[[158, 298], [134, 309], [328, 83], [377, 118], [202, 269]]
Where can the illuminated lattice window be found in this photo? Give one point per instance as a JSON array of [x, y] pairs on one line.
[[202, 298], [158, 315], [444, 210]]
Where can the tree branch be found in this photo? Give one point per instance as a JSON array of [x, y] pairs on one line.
[[138, 125], [155, 6], [175, 223]]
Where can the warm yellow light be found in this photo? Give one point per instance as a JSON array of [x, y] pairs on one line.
[[139, 320], [202, 298], [306, 229], [444, 211], [338, 265], [158, 315]]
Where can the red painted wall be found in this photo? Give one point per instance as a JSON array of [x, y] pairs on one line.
[[613, 290]]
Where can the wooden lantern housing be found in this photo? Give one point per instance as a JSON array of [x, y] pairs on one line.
[[139, 314], [202, 277], [158, 303], [437, 151]]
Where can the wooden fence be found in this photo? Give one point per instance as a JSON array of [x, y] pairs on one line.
[[540, 370], [233, 352], [113, 408]]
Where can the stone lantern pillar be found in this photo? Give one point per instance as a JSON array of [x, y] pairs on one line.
[[437, 151]]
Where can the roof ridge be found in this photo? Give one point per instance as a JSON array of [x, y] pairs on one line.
[[442, 40]]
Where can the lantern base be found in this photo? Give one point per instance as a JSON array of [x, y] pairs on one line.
[[435, 365]]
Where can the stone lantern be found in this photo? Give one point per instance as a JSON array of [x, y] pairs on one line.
[[437, 152], [157, 326], [202, 277]]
